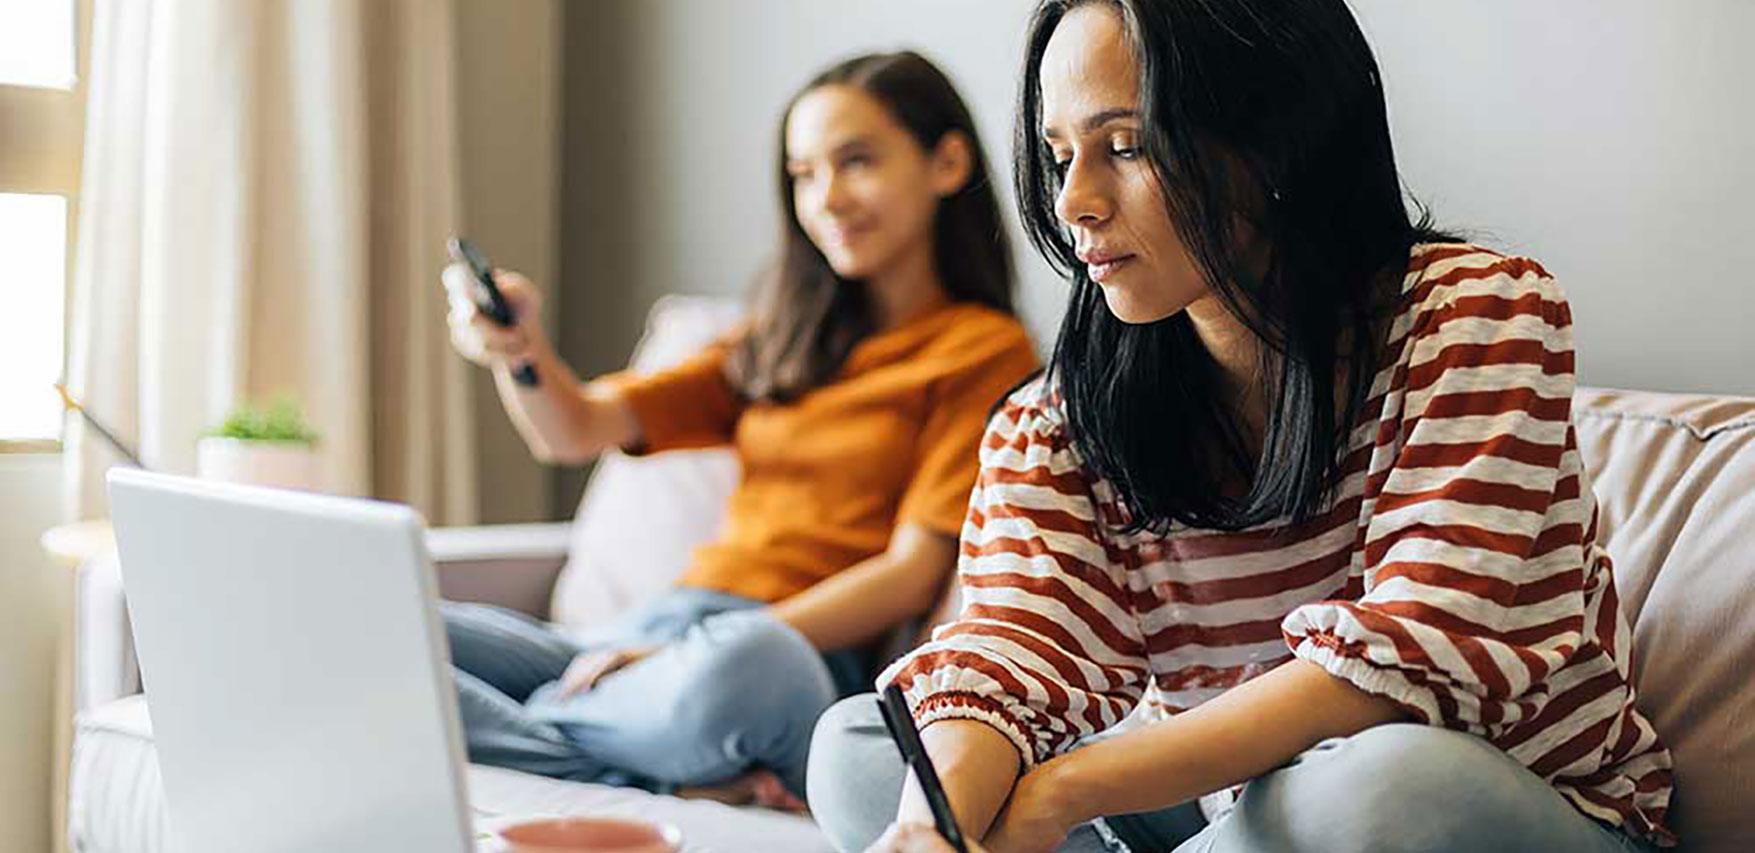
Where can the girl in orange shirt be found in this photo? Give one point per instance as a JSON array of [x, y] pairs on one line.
[[855, 398]]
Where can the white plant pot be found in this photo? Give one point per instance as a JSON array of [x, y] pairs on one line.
[[281, 464]]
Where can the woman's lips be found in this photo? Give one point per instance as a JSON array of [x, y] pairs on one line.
[[843, 235], [1101, 268]]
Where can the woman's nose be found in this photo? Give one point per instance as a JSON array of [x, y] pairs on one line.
[[835, 195], [1084, 197]]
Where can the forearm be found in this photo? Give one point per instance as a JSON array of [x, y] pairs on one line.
[[863, 601], [1242, 734], [563, 420], [977, 767]]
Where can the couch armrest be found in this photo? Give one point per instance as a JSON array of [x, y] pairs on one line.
[[511, 565], [103, 646]]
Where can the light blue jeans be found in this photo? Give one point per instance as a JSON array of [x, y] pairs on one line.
[[731, 689], [1400, 788]]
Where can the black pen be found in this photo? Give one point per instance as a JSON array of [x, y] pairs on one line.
[[901, 725]]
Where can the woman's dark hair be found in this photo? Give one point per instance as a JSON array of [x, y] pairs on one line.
[[806, 318], [1268, 112]]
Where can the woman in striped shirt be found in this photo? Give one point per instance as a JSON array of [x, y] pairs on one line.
[[1292, 541]]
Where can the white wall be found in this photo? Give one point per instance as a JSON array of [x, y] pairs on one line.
[[1613, 140], [34, 595], [1609, 138]]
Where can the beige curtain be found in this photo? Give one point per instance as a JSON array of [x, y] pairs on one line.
[[267, 189]]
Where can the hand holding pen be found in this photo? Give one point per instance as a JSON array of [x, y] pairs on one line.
[[945, 835]]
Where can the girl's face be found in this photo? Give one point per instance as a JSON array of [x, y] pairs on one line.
[[1110, 196], [865, 191]]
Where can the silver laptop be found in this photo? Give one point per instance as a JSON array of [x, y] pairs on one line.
[[295, 667]]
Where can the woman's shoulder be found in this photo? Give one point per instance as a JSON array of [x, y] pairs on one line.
[[1032, 412], [975, 343], [1450, 281], [1469, 292], [1484, 330], [973, 324]]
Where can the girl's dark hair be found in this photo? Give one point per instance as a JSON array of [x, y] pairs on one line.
[[1268, 112], [806, 318]]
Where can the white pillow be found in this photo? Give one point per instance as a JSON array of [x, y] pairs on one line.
[[640, 520]]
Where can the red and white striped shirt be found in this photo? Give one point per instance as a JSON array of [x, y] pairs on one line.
[[1457, 573]]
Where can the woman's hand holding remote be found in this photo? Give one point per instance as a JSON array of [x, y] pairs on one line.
[[483, 341], [562, 420]]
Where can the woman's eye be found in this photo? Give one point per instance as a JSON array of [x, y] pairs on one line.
[[1126, 152], [1061, 166]]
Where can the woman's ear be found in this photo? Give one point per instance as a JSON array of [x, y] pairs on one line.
[[953, 159]]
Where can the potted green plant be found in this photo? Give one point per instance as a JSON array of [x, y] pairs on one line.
[[264, 446]]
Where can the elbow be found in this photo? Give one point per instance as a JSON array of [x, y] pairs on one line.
[[924, 601], [927, 591], [924, 571]]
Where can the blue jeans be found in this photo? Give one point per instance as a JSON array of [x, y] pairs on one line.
[[731, 689], [1400, 788]]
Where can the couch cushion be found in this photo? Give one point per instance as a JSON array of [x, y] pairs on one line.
[[116, 801], [1675, 477], [640, 520]]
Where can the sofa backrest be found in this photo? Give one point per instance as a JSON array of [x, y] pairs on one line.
[[1675, 479]]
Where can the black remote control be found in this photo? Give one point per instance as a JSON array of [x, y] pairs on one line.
[[489, 300]]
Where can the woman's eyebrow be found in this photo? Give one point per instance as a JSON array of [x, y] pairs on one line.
[[857, 143], [839, 149], [1096, 120]]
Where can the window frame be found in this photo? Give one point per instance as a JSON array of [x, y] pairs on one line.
[[42, 146]]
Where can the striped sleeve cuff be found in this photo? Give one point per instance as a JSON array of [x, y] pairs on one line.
[[960, 705], [1349, 661]]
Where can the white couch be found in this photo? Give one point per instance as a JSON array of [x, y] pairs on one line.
[[1675, 476]]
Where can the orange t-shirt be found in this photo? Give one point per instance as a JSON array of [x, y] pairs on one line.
[[827, 477]]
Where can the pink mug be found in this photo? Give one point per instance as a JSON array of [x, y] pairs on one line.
[[592, 835]]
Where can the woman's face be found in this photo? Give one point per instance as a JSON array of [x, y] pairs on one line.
[[1110, 197], [864, 189]]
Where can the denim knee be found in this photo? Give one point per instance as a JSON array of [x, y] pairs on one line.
[[757, 668], [509, 650], [1402, 787], [759, 691], [854, 783]]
